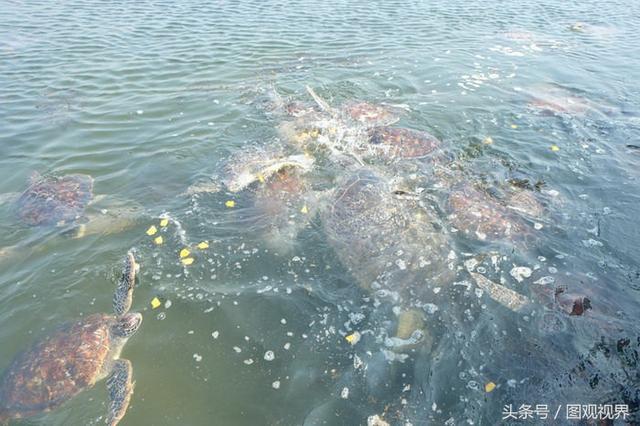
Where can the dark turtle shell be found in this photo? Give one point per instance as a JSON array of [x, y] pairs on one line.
[[55, 200], [402, 143], [56, 368]]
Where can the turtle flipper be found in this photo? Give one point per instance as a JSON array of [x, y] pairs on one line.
[[120, 387], [124, 292]]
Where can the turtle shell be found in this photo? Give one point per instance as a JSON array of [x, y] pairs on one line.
[[56, 368], [385, 239], [55, 200], [368, 114], [402, 143], [481, 216], [281, 193]]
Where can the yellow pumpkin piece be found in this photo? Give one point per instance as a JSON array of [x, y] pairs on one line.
[[230, 204], [203, 245], [187, 260], [353, 338], [514, 126], [164, 222], [152, 230], [261, 178], [184, 253], [489, 387], [155, 303], [158, 240], [304, 209], [555, 148]]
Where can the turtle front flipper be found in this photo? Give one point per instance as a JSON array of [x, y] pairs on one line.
[[123, 295], [120, 387], [108, 215]]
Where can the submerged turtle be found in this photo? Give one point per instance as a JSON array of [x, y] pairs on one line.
[[393, 245], [66, 203], [74, 358], [55, 201]]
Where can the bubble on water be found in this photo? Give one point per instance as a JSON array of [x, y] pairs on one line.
[[430, 308], [471, 264], [519, 273], [357, 362], [190, 332], [592, 243], [473, 385], [269, 356], [283, 321], [197, 357], [545, 280], [215, 334], [401, 264], [287, 346], [237, 349], [248, 361], [276, 384], [345, 393], [161, 316]]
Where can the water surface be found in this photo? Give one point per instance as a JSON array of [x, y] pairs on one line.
[[152, 97]]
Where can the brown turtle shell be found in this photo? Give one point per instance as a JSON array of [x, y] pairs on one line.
[[55, 200], [281, 193], [402, 143], [480, 216], [368, 114], [56, 368]]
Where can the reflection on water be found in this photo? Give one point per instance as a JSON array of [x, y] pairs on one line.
[[487, 257]]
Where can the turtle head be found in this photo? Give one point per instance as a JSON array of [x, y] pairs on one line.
[[127, 324]]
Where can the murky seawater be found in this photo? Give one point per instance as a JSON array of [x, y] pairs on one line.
[[151, 98]]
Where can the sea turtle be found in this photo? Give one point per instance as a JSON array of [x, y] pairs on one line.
[[58, 201], [557, 100], [66, 203], [393, 245], [279, 186], [247, 168], [74, 358]]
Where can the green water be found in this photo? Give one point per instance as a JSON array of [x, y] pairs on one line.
[[152, 97]]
